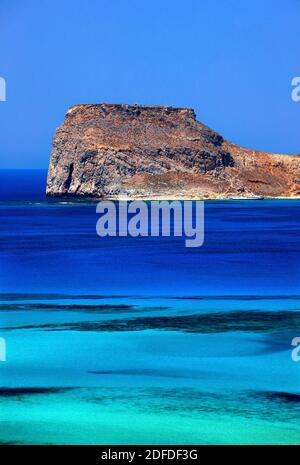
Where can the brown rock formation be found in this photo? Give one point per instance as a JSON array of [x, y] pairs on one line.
[[106, 150]]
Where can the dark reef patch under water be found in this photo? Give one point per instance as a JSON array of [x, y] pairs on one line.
[[255, 321], [27, 391]]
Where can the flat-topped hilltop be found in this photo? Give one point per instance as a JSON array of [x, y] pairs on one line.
[[104, 150]]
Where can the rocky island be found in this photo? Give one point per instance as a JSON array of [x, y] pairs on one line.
[[155, 152]]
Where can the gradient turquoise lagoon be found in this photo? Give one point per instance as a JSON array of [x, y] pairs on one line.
[[141, 340]]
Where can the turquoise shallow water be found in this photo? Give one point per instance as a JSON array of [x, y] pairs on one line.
[[131, 340], [129, 371]]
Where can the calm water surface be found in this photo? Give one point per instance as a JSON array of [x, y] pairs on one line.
[[141, 340]]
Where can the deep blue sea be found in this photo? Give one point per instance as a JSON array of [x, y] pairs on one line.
[[123, 340]]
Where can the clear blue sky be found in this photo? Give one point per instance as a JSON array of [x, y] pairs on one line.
[[231, 60]]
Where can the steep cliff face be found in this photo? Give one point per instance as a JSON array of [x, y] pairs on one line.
[[106, 150]]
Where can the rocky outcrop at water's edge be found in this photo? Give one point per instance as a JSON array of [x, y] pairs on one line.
[[108, 150]]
